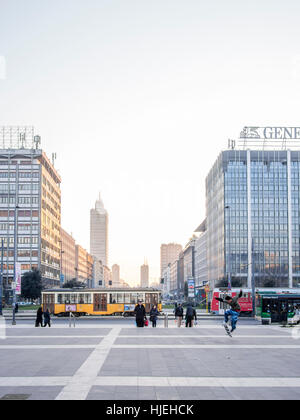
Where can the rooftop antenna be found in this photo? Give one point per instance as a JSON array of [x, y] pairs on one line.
[[22, 140], [37, 141], [54, 157]]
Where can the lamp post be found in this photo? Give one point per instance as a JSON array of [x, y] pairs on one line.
[[15, 262], [229, 249], [61, 279], [253, 280], [1, 277]]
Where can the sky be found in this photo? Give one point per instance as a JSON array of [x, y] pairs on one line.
[[138, 98]]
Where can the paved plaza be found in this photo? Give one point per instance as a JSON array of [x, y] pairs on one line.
[[113, 360]]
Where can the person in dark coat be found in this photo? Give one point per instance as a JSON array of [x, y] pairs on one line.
[[190, 316], [140, 314], [153, 315], [179, 314], [39, 317], [47, 318]]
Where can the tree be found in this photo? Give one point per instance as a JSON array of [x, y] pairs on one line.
[[74, 284], [31, 286]]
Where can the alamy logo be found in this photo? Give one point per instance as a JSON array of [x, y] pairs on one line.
[[2, 68], [2, 328]]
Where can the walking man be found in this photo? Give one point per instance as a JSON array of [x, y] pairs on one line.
[[39, 318], [233, 312], [179, 314], [47, 318], [140, 314], [190, 316]]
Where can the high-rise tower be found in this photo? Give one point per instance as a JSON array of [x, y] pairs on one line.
[[99, 232]]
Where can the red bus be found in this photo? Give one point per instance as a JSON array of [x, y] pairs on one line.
[[245, 301]]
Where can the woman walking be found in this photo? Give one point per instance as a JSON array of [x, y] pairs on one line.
[[153, 315], [47, 318]]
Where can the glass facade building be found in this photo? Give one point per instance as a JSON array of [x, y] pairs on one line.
[[252, 204]]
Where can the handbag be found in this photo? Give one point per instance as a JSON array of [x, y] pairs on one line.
[[146, 322]]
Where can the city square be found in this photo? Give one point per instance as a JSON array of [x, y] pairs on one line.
[[113, 360]]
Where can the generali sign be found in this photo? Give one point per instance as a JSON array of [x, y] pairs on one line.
[[268, 133]]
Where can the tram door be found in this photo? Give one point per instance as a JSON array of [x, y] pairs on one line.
[[150, 300], [48, 302], [100, 302], [222, 305]]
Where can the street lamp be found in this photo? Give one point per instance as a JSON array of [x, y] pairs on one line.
[[15, 262], [1, 277], [229, 249]]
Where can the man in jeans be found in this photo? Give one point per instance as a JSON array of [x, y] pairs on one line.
[[234, 311], [179, 314]]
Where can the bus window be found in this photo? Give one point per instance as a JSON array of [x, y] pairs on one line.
[[120, 297], [127, 298]]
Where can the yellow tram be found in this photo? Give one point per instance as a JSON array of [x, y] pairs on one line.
[[110, 301]]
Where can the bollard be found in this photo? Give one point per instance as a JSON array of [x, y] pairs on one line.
[[70, 320], [166, 321]]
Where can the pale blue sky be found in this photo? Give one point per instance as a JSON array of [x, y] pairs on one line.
[[138, 98]]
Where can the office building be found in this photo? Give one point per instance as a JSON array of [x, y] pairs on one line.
[[30, 199], [168, 254], [252, 207], [145, 275], [68, 260], [99, 232]]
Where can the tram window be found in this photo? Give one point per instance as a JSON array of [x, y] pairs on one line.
[[120, 297], [127, 298], [113, 298], [73, 298], [66, 298], [140, 296], [133, 298], [81, 299], [59, 299]]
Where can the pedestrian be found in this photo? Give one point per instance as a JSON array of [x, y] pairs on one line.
[[179, 314], [39, 317], [153, 316], [190, 316], [140, 314], [234, 312], [16, 308], [47, 319]]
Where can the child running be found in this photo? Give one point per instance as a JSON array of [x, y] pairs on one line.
[[234, 312]]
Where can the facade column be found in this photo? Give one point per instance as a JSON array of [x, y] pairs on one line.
[[250, 265], [290, 218]]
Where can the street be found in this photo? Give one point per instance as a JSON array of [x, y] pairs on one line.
[[111, 359]]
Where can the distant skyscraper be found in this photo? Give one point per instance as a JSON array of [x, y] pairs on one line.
[[168, 254], [115, 275], [99, 232], [145, 275]]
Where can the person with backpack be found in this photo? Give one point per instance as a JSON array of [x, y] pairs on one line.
[[179, 314], [190, 316], [233, 312]]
